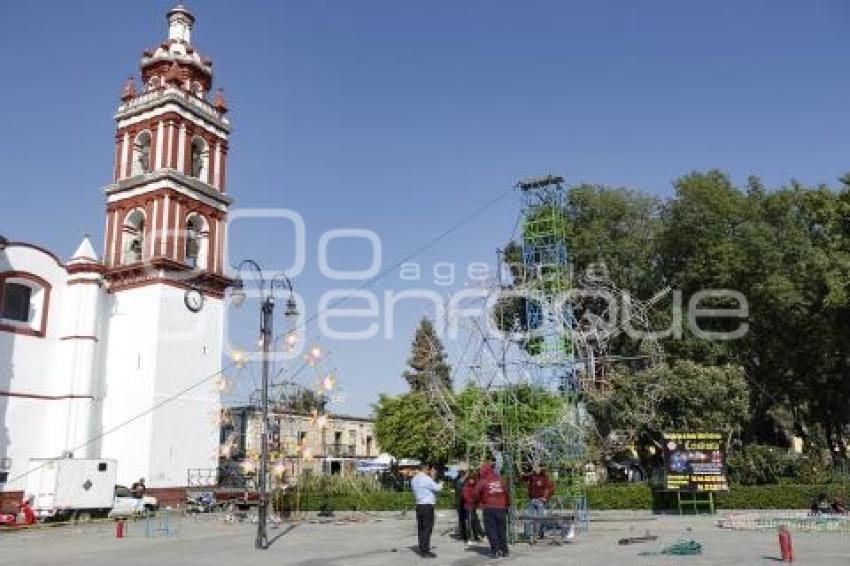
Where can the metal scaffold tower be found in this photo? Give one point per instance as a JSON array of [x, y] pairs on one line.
[[521, 406], [546, 282], [549, 345], [535, 353]]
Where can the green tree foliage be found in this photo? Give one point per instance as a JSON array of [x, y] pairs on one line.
[[681, 396], [406, 427], [427, 360], [517, 409], [787, 250], [617, 229], [756, 464], [302, 400]]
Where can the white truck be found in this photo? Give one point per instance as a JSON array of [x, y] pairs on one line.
[[69, 488]]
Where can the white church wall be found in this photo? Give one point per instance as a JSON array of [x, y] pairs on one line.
[[185, 428], [157, 350], [30, 382], [129, 377]]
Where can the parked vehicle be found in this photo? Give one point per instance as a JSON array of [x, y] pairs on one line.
[[126, 504], [80, 489]]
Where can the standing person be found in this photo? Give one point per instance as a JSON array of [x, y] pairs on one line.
[[424, 490], [457, 485], [138, 488], [540, 489], [492, 494], [471, 525]]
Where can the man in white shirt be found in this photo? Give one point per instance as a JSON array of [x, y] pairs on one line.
[[424, 490]]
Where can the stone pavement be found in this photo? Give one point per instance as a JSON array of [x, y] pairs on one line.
[[388, 539]]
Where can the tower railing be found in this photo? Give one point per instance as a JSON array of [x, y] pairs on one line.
[[158, 94]]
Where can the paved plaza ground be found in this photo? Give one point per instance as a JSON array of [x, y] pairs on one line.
[[387, 539]]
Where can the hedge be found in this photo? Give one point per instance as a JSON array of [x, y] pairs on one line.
[[787, 496], [633, 496], [385, 500], [619, 496]]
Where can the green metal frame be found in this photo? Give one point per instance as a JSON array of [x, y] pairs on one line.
[[695, 501]]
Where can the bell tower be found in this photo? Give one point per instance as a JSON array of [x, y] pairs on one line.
[[166, 212], [167, 204]]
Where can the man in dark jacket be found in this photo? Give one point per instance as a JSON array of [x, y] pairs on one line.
[[540, 489], [493, 497]]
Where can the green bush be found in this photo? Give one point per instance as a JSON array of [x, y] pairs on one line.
[[756, 464], [629, 496], [619, 496], [383, 500], [786, 496], [809, 469]]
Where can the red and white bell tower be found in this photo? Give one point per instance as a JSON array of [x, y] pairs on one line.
[[163, 266], [167, 204]]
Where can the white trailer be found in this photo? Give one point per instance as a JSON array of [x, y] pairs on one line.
[[68, 487]]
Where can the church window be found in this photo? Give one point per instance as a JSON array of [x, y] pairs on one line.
[[134, 236], [16, 302], [23, 303], [142, 154], [197, 240], [200, 159]]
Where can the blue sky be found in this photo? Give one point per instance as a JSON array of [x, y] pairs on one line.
[[402, 117]]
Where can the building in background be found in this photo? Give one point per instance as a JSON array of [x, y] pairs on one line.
[[300, 442], [98, 354]]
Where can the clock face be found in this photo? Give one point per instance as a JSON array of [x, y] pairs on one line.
[[194, 300]]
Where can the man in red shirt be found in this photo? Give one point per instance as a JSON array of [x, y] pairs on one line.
[[540, 489], [470, 526], [493, 497]]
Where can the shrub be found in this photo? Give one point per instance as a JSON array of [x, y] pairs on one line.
[[339, 484], [383, 500], [786, 496], [631, 496], [809, 469], [756, 464], [619, 496]]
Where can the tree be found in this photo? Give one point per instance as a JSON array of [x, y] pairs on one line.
[[617, 228], [516, 409], [682, 396], [427, 360], [301, 400], [408, 426], [787, 252]]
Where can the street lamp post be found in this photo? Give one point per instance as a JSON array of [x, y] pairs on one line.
[[266, 294], [325, 510]]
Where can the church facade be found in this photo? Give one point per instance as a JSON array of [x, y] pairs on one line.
[[110, 355]]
